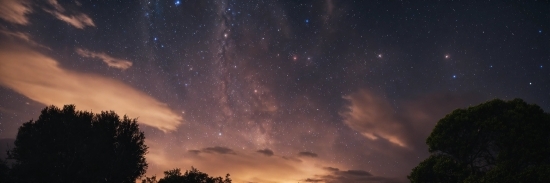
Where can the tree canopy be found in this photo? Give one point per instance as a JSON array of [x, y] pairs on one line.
[[496, 141], [65, 145], [190, 176]]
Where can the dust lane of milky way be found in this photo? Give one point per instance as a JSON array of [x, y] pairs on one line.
[[273, 91]]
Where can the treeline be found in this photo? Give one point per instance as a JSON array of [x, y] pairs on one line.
[[66, 145], [496, 141]]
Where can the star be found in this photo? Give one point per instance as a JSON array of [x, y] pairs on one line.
[[379, 55], [177, 3], [447, 56]]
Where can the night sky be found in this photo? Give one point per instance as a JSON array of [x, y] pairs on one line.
[[273, 91]]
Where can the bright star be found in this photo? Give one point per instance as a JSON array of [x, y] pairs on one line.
[[177, 3], [307, 20], [454, 76], [446, 56], [379, 55]]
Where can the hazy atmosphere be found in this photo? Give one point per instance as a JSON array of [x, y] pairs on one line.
[[273, 91]]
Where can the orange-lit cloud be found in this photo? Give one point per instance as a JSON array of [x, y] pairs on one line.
[[15, 11], [336, 175], [78, 20], [110, 61], [243, 165], [23, 36], [373, 117], [56, 5], [377, 119], [40, 78]]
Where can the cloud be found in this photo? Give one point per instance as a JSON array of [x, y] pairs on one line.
[[56, 5], [245, 165], [219, 150], [376, 119], [23, 36], [215, 149], [110, 61], [335, 175], [78, 20], [373, 117], [41, 79], [332, 169], [291, 158], [15, 11], [307, 154], [266, 152], [398, 130], [313, 180]]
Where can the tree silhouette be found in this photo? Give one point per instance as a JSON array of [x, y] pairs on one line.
[[65, 145], [496, 141], [190, 176], [4, 171]]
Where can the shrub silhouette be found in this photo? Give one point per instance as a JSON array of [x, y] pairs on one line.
[[190, 176]]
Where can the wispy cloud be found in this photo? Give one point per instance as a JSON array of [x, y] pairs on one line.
[[248, 165], [41, 79], [376, 118], [15, 11], [243, 165], [373, 117], [307, 154], [267, 152], [56, 5], [336, 175], [216, 149], [110, 61], [23, 36], [78, 20]]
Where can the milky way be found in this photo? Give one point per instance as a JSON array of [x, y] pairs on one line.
[[273, 91]]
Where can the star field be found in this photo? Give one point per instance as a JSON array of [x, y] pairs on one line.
[[273, 91]]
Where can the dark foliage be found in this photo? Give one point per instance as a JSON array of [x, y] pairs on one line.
[[65, 145], [497, 141], [190, 176], [4, 172]]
